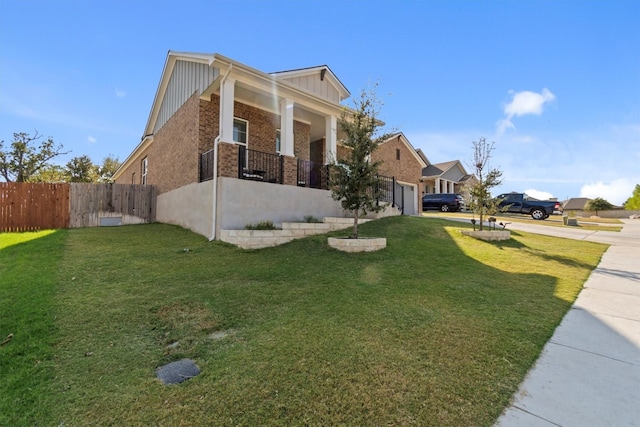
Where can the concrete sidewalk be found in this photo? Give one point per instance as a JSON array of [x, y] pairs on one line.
[[589, 372]]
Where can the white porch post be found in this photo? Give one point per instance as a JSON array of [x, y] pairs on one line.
[[437, 186], [451, 187], [286, 128], [226, 109], [331, 139]]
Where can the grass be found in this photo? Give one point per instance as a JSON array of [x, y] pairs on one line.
[[437, 329]]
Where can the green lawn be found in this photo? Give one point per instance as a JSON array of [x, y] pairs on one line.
[[437, 329]]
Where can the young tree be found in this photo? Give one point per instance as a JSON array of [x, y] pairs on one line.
[[82, 169], [22, 159], [479, 189], [354, 180], [597, 204], [633, 202]]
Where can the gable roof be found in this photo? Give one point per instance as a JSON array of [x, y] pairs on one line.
[[401, 137], [423, 156], [439, 169], [323, 71], [576, 203]]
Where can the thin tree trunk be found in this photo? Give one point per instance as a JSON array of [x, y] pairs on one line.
[[354, 235]]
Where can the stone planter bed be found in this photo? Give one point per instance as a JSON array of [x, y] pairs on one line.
[[363, 244]]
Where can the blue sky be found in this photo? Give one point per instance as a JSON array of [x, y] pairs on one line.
[[555, 84]]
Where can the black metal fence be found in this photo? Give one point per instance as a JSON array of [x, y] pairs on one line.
[[390, 192], [312, 175], [259, 166]]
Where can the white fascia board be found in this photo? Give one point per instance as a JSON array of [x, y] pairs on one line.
[[146, 141]]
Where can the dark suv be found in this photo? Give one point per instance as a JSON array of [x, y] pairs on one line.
[[445, 202]]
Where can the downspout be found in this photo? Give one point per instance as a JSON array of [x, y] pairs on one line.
[[214, 216]]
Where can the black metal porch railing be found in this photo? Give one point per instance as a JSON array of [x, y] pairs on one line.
[[259, 166], [312, 175], [206, 166]]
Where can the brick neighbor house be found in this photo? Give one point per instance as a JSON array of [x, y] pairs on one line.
[[228, 145]]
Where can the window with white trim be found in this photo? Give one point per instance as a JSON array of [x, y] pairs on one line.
[[144, 168], [278, 141], [240, 131]]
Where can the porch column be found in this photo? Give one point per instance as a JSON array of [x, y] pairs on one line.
[[331, 138], [226, 109], [437, 186], [286, 128]]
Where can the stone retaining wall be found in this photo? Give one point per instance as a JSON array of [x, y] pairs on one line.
[[257, 239]]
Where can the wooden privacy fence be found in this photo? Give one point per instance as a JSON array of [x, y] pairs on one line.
[[30, 207], [36, 206]]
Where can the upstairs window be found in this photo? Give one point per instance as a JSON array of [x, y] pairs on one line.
[[240, 130], [278, 141]]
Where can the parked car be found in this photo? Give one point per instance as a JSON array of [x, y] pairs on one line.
[[524, 204], [444, 202]]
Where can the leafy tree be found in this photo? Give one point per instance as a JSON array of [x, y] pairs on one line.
[[82, 169], [597, 204], [479, 190], [109, 166], [354, 180], [23, 159], [633, 202], [51, 173]]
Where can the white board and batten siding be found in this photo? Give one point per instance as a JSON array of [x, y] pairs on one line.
[[186, 78], [313, 84]]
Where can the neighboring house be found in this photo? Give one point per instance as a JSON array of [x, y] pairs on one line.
[[221, 133], [575, 204], [401, 161], [447, 177]]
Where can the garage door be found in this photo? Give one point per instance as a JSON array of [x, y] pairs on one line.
[[408, 200]]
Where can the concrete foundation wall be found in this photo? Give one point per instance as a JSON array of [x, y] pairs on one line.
[[190, 207], [243, 202]]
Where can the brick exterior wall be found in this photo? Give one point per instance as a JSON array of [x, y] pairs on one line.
[[128, 177], [290, 171], [406, 169], [227, 160], [209, 123], [172, 157]]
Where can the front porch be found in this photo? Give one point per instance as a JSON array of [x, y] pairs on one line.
[[239, 162]]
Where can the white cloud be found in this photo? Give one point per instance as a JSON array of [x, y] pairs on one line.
[[523, 103], [91, 140], [616, 191], [540, 195], [120, 93]]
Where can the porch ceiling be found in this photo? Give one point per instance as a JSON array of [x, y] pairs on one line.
[[271, 102]]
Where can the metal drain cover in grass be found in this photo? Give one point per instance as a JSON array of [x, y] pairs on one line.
[[178, 371]]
